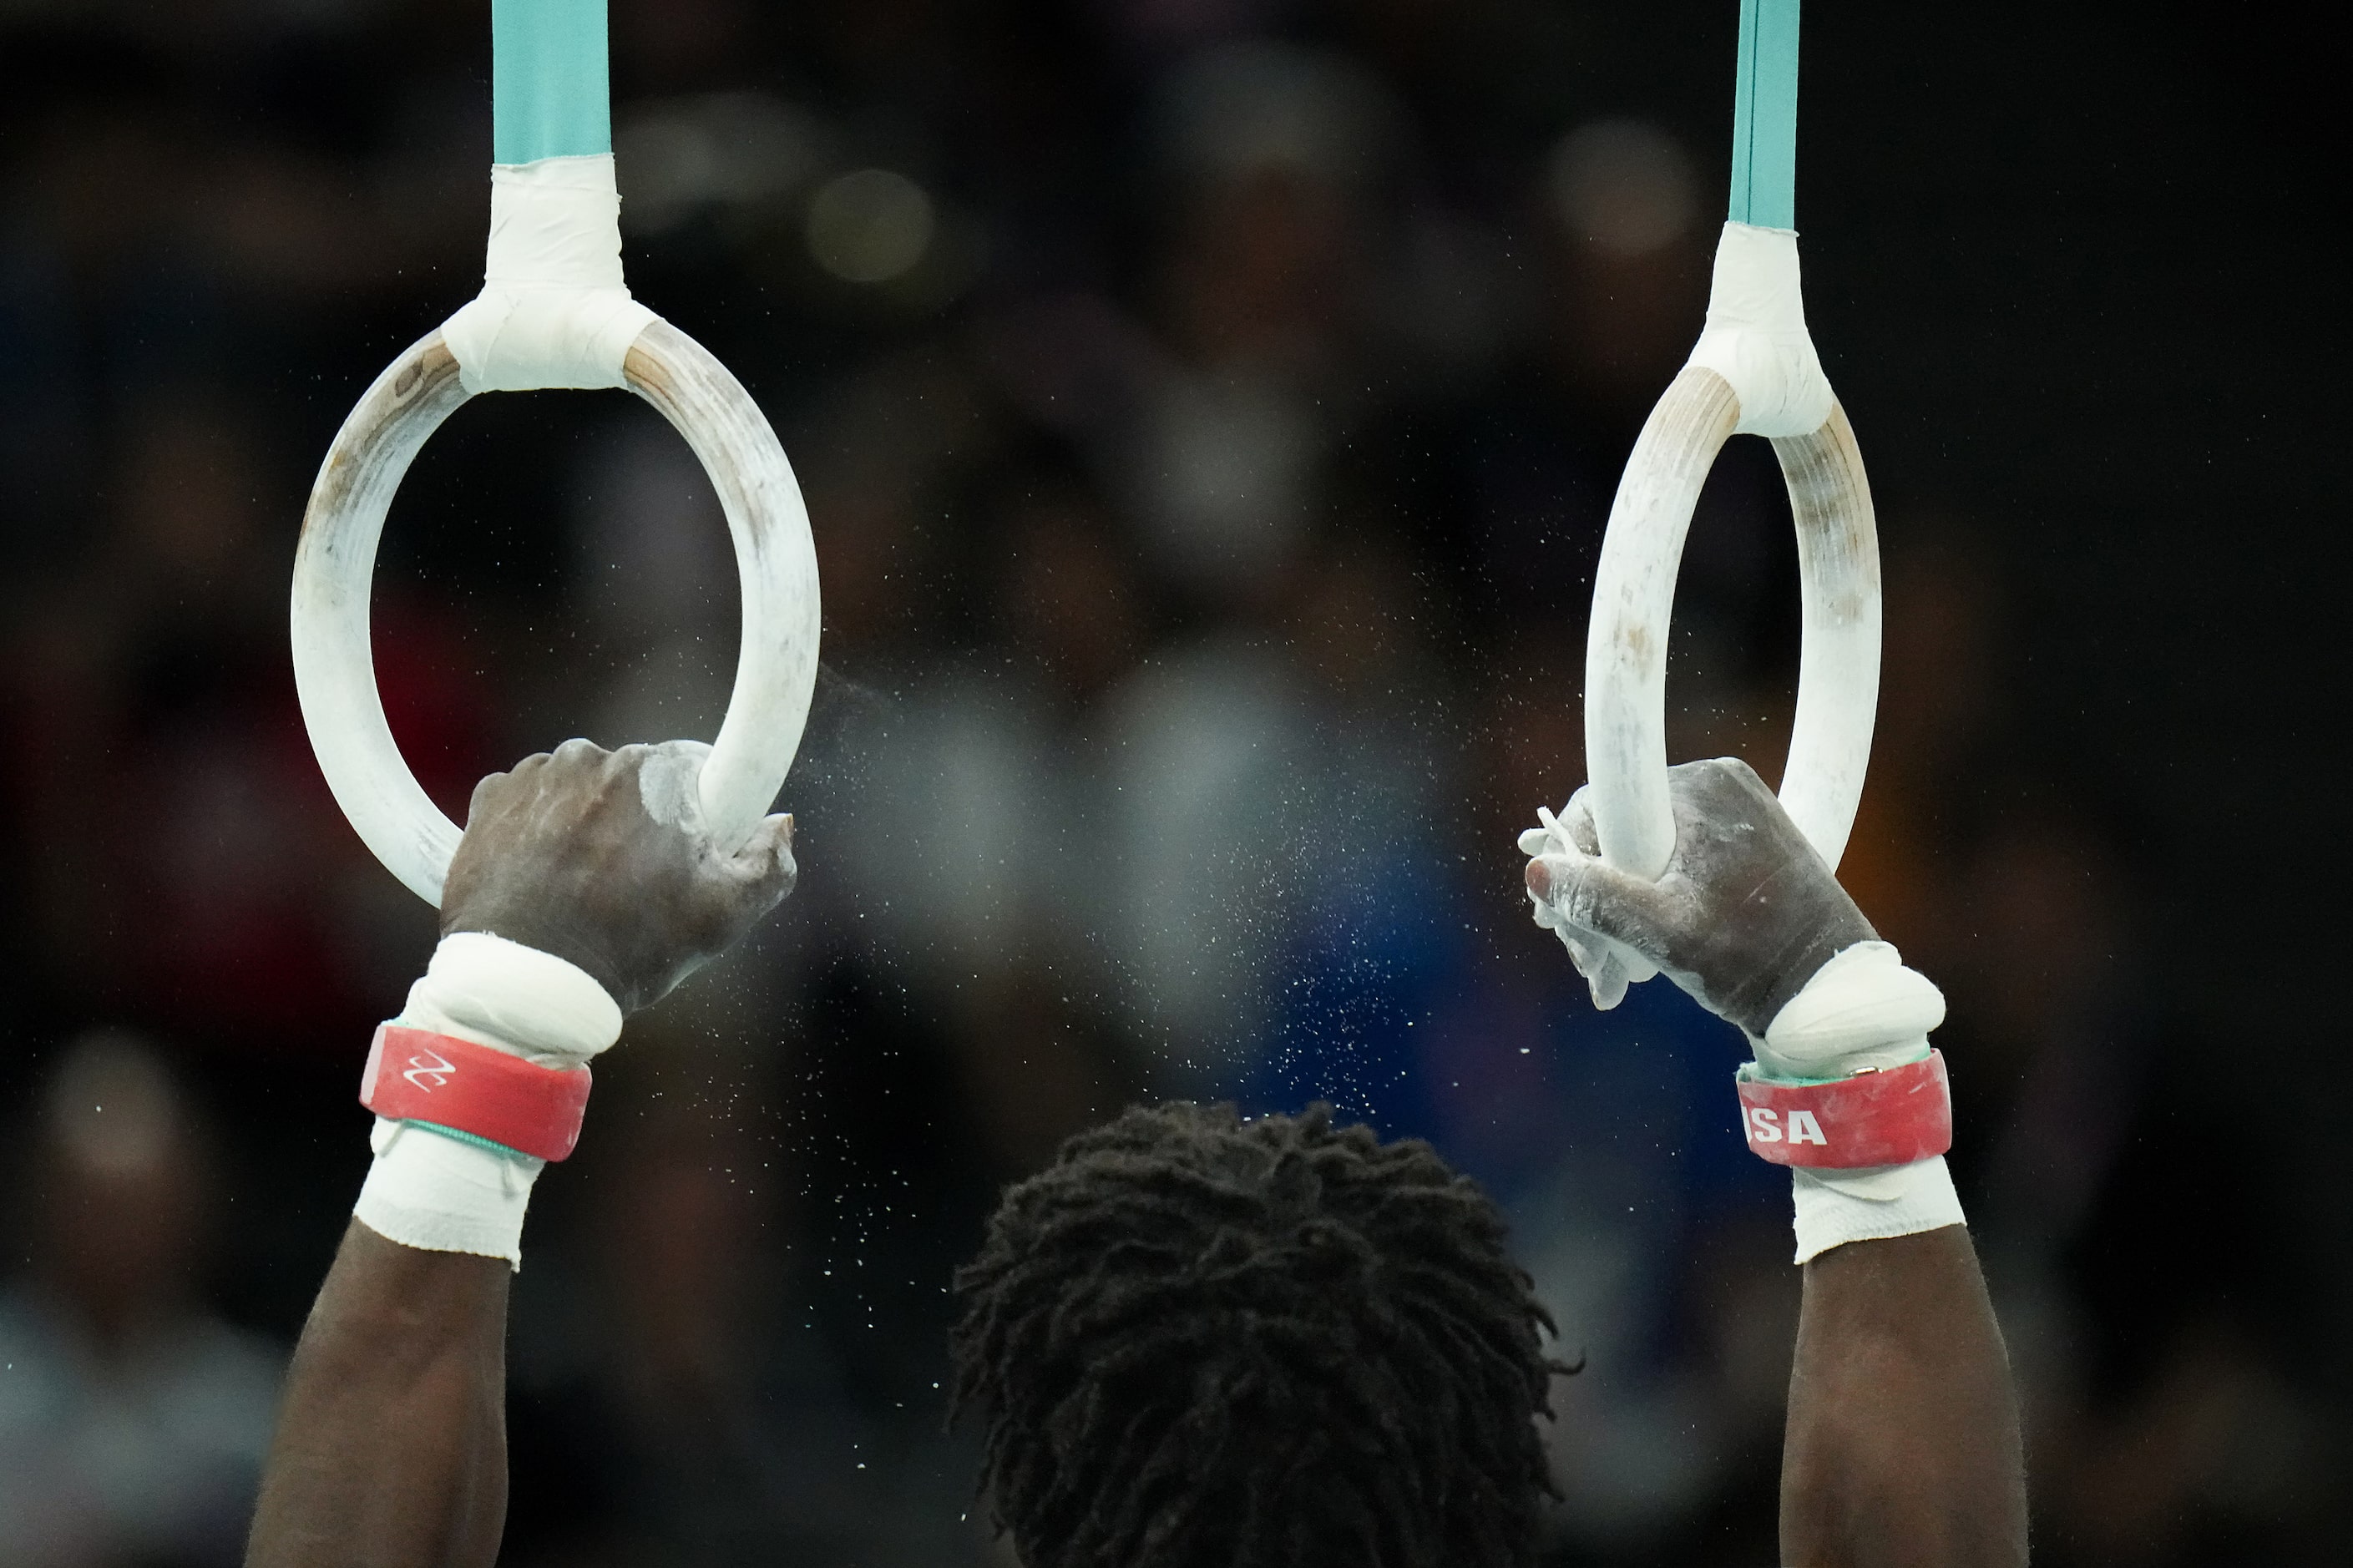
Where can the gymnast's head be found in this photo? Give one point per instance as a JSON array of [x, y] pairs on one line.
[[1205, 1342]]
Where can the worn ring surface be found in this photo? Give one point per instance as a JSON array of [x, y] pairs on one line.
[[335, 567]]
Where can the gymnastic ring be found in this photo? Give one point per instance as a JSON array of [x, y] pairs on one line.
[[334, 670], [1634, 593]]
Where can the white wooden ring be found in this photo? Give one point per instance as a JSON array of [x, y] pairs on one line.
[[334, 669], [1633, 591]]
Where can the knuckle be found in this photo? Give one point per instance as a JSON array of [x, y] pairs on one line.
[[1738, 770]]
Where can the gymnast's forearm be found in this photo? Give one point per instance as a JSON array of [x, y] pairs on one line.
[[391, 1446], [570, 900], [1903, 1445]]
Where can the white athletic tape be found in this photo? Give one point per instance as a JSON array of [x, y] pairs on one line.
[[1755, 336], [439, 1194], [1834, 1207], [512, 998], [553, 310], [1862, 1009]]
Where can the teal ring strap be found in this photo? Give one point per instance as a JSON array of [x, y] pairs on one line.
[[551, 90], [1765, 116]]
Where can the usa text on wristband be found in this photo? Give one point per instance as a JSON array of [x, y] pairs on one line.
[[1888, 1118], [415, 1075]]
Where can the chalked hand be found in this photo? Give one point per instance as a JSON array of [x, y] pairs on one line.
[[1743, 916], [601, 859]]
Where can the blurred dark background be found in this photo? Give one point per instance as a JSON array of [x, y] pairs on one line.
[[1208, 410]]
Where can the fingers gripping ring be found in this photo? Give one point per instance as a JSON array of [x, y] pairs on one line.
[[335, 671], [1633, 591]]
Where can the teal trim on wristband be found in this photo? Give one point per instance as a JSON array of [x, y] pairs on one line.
[[551, 88], [1753, 1072], [1765, 116], [476, 1139]]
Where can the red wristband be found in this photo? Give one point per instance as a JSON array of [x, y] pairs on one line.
[[1892, 1116], [414, 1075]]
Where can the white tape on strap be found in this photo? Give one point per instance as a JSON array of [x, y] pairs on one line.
[[439, 1194], [1755, 336], [1862, 1009], [512, 998], [1833, 1208], [553, 311]]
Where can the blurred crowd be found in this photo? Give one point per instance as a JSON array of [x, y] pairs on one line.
[[1207, 412]]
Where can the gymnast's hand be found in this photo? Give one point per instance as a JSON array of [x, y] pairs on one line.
[[601, 859], [1743, 916]]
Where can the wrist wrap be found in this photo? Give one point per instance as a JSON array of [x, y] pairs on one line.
[[1889, 1117], [414, 1075]]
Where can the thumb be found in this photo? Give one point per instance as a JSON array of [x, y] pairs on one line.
[[1607, 967], [1607, 982], [1587, 891], [1604, 977], [764, 867]]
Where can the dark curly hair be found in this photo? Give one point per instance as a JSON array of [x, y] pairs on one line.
[[1272, 1343]]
